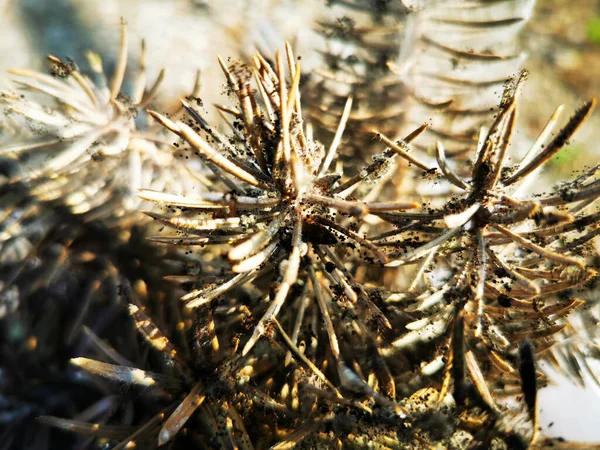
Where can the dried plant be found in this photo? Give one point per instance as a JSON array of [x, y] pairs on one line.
[[303, 300], [465, 223], [283, 204], [492, 260], [87, 152]]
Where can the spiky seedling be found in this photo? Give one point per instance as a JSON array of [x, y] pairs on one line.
[[281, 177], [498, 259], [85, 151], [280, 209]]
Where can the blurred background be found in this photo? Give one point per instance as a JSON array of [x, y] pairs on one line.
[[562, 41]]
